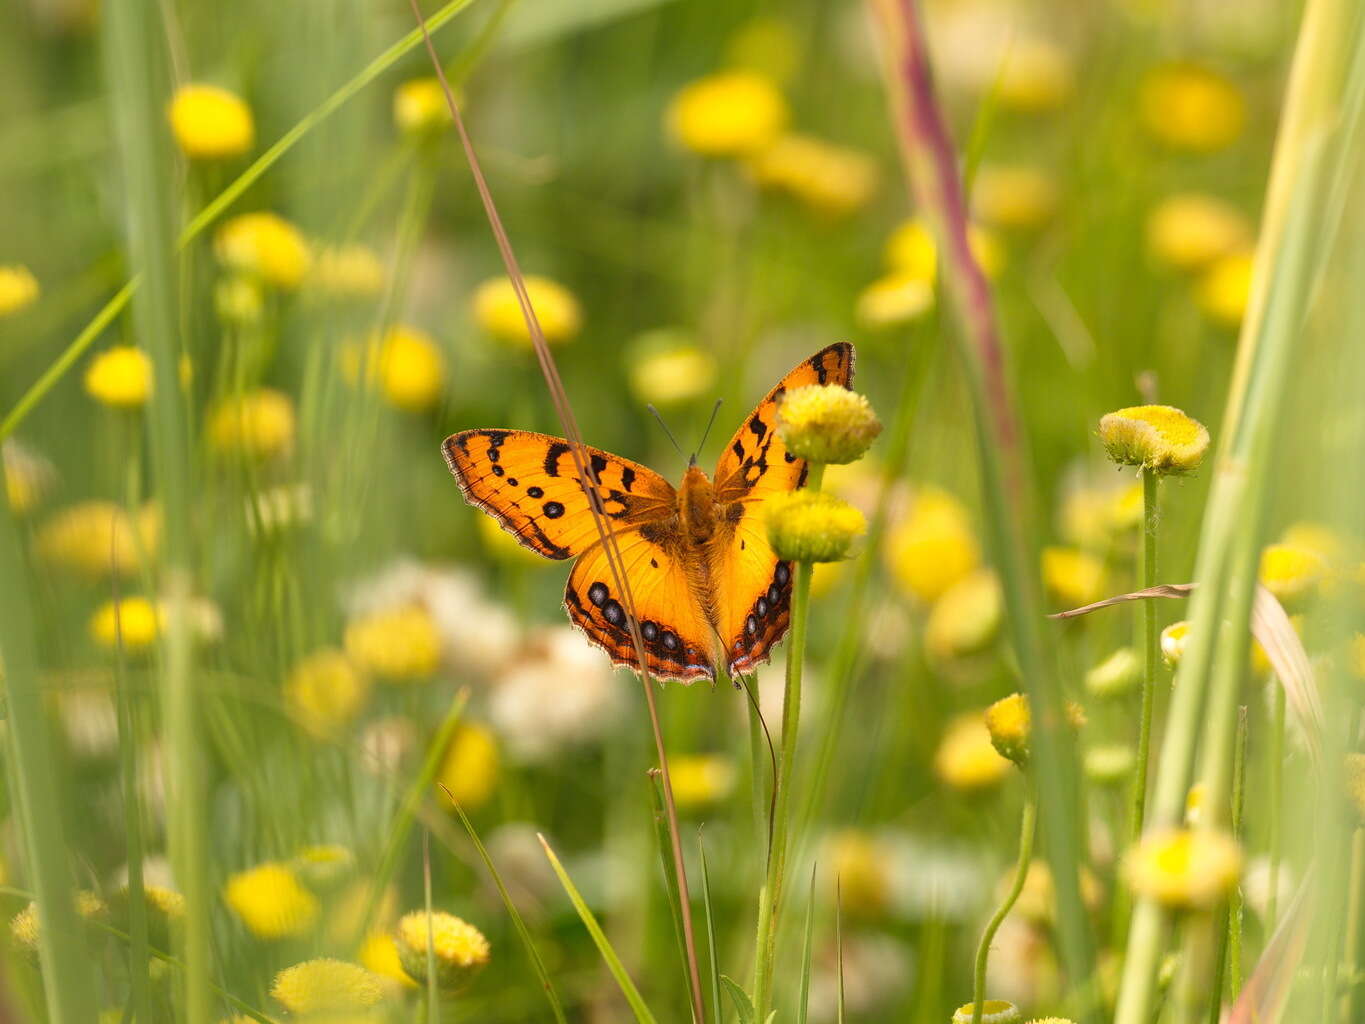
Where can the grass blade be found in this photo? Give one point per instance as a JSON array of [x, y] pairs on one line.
[[656, 801], [807, 948], [839, 946], [713, 954]]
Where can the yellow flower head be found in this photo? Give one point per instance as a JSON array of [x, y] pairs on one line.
[[210, 123], [1184, 868], [351, 271], [993, 1011], [933, 547], [324, 864], [1225, 289], [499, 313], [700, 780], [830, 179], [469, 770], [27, 477], [1110, 764], [265, 246], [966, 758], [239, 299], [1074, 577], [1173, 640], [18, 288], [863, 867], [324, 692], [420, 107], [379, 954], [407, 364], [1191, 230], [1116, 676], [1036, 77], [271, 901], [396, 645], [894, 299], [668, 368], [460, 949], [1156, 437], [25, 927], [326, 985], [1355, 783], [136, 618], [165, 911], [1010, 723], [826, 423], [965, 619], [120, 377], [805, 526], [1190, 107], [97, 537], [912, 249], [259, 424], [1015, 197], [1292, 573], [727, 114]]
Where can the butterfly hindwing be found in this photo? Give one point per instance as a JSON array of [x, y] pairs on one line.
[[753, 595]]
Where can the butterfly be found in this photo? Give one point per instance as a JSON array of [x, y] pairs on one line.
[[706, 585]]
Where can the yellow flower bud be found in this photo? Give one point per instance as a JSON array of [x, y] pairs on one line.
[[826, 423], [1116, 676], [806, 526], [406, 364], [1292, 573], [1074, 577], [933, 547], [397, 645], [326, 986], [1184, 868], [469, 769], [1156, 437], [499, 313], [728, 114], [830, 179], [420, 107], [1173, 640], [668, 368], [700, 780], [993, 1011], [120, 377], [325, 692], [460, 949], [210, 123], [1010, 723], [133, 621], [912, 249]]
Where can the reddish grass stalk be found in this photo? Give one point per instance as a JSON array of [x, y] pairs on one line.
[[585, 472]]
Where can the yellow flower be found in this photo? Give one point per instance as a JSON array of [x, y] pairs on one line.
[[727, 114], [831, 179], [258, 424], [120, 377], [1037, 901], [266, 246], [26, 926], [966, 759], [348, 271], [420, 107], [768, 45], [1010, 723], [1355, 783], [498, 312], [326, 985], [325, 692], [1036, 76], [1191, 107], [1292, 573], [806, 526], [1074, 577], [407, 364], [933, 547], [18, 288], [912, 249], [1110, 764], [1184, 868], [324, 864], [667, 368], [701, 779], [1097, 518], [1191, 230], [27, 477], [239, 299], [97, 537], [1015, 197], [1173, 640], [1156, 437], [210, 123], [379, 954], [469, 769], [1116, 676], [165, 910], [397, 645], [993, 1011], [863, 868], [965, 618], [138, 618], [1225, 289], [460, 949], [270, 901], [897, 298], [826, 423]]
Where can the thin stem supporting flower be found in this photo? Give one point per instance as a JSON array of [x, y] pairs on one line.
[[1027, 826], [1151, 649]]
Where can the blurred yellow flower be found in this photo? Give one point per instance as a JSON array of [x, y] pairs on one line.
[[1191, 230], [993, 1011], [139, 620], [469, 768], [863, 868], [270, 901], [1319, 538], [324, 692], [397, 645], [210, 123], [966, 759], [1110, 764], [1183, 868], [1225, 289], [498, 312], [258, 424], [1097, 518], [700, 780], [407, 365], [25, 927], [667, 368], [826, 423], [912, 250], [806, 526], [727, 114], [266, 246], [27, 477], [1116, 676], [1010, 724], [323, 985], [18, 288], [894, 299], [933, 547], [833, 180], [239, 299], [965, 618], [1191, 107], [1173, 640], [324, 864], [1292, 573], [351, 271], [1195, 800], [1017, 197], [97, 537], [379, 954], [1037, 76], [1159, 438], [768, 45], [460, 949], [420, 107], [1074, 577], [120, 377], [1037, 901]]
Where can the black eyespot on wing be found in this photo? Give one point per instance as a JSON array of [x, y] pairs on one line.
[[782, 574], [497, 470], [597, 593], [512, 481], [649, 630], [614, 613], [552, 455], [751, 625], [553, 509], [773, 594], [670, 640], [535, 492], [761, 606]]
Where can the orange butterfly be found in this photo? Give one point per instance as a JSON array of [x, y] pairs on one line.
[[706, 584]]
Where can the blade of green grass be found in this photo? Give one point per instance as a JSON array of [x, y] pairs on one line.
[[807, 948], [656, 801], [839, 946], [433, 993], [599, 938], [713, 954]]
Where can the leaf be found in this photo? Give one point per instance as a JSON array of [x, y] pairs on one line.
[[745, 1005], [712, 957], [803, 1004], [1161, 590]]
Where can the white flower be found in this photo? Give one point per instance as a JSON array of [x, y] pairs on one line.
[[90, 722]]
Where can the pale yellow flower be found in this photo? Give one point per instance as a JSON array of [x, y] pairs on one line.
[[351, 271], [18, 289], [727, 114], [894, 299], [1017, 197], [498, 312], [700, 780], [1183, 868], [1037, 76], [135, 621], [933, 546], [1225, 289], [1191, 107], [120, 377], [98, 537], [325, 985], [912, 250], [1173, 641], [210, 123], [325, 692], [460, 949], [965, 619], [1074, 577], [27, 477], [1159, 438], [469, 769], [826, 423], [266, 246], [407, 365], [271, 901], [420, 107], [864, 869], [669, 369], [1191, 230], [1292, 573], [396, 645], [805, 526], [966, 759], [258, 424], [833, 180], [994, 1011]]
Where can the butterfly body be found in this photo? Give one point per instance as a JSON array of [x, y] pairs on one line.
[[705, 586]]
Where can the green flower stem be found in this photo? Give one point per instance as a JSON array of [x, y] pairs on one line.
[[1151, 650], [770, 898], [1027, 825], [1275, 810], [1225, 944]]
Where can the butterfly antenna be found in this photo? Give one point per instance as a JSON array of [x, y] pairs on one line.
[[667, 433], [709, 424]]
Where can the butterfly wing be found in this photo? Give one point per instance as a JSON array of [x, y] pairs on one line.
[[753, 587]]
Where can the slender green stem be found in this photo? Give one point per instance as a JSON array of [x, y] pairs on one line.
[[1027, 825], [1151, 650], [433, 992], [1233, 921], [1276, 808], [1355, 892]]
